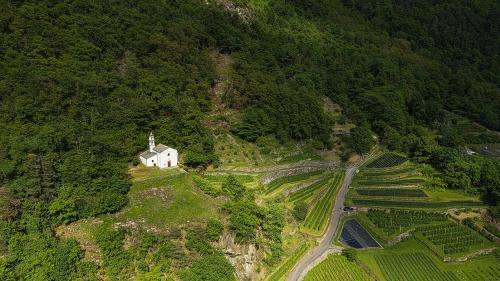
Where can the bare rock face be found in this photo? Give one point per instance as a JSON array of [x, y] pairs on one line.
[[244, 258]]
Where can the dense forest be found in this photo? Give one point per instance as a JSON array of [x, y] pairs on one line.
[[82, 83]]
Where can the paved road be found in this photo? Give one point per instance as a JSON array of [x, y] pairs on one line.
[[301, 268]]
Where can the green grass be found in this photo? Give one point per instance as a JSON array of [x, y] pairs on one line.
[[277, 183], [317, 218], [281, 272], [337, 268]]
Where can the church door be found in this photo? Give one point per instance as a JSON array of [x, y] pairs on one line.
[[169, 163]]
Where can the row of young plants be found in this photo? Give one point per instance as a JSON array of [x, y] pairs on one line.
[[387, 160], [389, 172], [275, 184], [337, 268], [414, 204], [307, 192], [389, 182], [391, 192], [452, 238], [412, 267], [320, 213], [285, 267], [393, 221]]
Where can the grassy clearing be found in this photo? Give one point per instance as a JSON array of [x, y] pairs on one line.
[[156, 204], [281, 272], [142, 172]]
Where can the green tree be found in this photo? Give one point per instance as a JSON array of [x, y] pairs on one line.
[[361, 140]]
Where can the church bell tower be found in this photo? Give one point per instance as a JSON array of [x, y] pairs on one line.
[[151, 142]]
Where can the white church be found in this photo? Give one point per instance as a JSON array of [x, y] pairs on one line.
[[159, 155]]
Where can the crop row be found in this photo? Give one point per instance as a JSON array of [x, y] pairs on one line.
[[395, 220], [393, 192], [385, 182], [377, 172], [451, 237], [275, 184], [337, 268], [284, 268], [308, 191], [412, 267], [415, 204], [321, 211], [481, 273], [387, 160]]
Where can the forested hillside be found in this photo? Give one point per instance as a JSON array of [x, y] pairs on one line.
[[82, 83]]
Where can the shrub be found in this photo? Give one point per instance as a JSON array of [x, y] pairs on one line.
[[299, 211]]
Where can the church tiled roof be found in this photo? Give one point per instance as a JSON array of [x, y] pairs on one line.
[[160, 148], [148, 154]]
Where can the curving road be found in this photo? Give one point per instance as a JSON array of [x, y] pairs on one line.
[[305, 263]]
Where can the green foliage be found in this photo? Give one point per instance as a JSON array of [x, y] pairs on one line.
[[214, 229], [350, 254], [299, 211], [361, 140], [116, 259], [233, 188], [213, 267], [244, 218]]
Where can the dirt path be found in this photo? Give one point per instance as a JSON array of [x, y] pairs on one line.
[[305, 264]]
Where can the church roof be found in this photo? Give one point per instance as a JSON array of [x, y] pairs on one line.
[[148, 154], [160, 148]]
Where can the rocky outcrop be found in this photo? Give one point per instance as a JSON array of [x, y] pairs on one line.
[[244, 257], [400, 237], [470, 256]]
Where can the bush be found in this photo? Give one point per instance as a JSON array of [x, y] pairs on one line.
[[350, 254], [299, 211]]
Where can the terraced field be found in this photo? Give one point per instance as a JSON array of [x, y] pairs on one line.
[[387, 160], [450, 238], [480, 273], [391, 192], [277, 183], [337, 268], [415, 204], [317, 218], [309, 191], [412, 267], [396, 221]]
